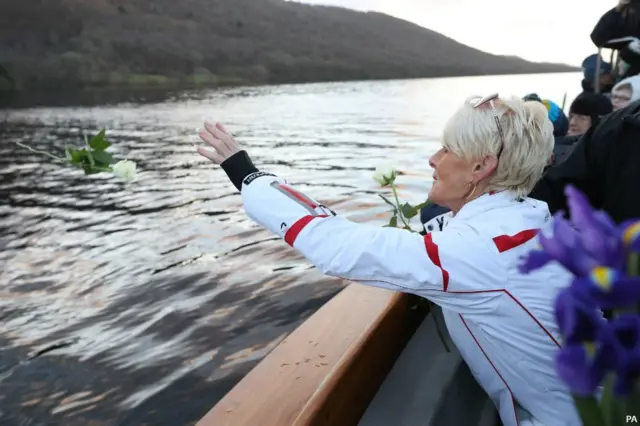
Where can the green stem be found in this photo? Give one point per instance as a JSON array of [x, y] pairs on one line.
[[37, 151], [633, 265], [89, 155], [395, 195], [589, 411]]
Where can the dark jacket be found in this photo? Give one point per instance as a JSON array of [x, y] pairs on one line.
[[604, 164], [617, 23]]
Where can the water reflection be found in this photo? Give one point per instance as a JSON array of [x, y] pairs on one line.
[[161, 294]]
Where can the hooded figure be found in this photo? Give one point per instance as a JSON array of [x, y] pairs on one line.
[[621, 21], [585, 110], [625, 92], [589, 66]]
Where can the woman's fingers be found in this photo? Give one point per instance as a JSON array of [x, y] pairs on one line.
[[219, 132], [222, 129], [215, 143], [223, 144], [211, 155]]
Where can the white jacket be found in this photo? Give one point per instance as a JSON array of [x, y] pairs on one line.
[[501, 321]]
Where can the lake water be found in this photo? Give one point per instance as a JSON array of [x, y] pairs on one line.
[[160, 293]]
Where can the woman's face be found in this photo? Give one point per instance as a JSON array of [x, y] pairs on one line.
[[451, 179], [620, 97], [578, 124]]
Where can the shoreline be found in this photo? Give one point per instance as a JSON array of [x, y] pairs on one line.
[[169, 83]]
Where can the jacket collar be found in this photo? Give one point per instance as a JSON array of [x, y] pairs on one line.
[[486, 202]]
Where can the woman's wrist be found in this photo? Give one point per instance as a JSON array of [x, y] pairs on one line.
[[237, 167]]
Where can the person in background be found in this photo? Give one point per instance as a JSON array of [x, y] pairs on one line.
[[621, 21], [625, 92], [629, 59], [502, 321], [585, 110], [603, 165], [589, 67], [554, 112]]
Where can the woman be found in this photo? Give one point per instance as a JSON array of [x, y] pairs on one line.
[[502, 322], [625, 92]]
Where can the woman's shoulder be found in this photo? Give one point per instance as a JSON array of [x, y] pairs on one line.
[[504, 228]]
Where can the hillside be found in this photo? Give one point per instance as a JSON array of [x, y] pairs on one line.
[[79, 43]]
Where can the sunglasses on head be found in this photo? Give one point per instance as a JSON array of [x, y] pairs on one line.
[[489, 101]]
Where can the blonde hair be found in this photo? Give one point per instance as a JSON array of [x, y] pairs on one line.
[[528, 140]]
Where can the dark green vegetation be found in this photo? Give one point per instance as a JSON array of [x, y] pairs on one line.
[[105, 43]]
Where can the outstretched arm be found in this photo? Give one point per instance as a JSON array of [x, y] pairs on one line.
[[451, 268]]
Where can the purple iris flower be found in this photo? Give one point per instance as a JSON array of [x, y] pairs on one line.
[[589, 240], [578, 320], [580, 363], [598, 233], [608, 288], [620, 340], [582, 367], [564, 246]]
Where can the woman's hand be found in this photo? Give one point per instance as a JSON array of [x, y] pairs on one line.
[[224, 145]]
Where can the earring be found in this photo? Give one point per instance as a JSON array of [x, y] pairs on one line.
[[472, 190]]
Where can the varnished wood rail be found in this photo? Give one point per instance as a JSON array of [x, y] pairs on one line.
[[327, 371]]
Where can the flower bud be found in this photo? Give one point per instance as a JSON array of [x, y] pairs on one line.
[[384, 175], [125, 170]]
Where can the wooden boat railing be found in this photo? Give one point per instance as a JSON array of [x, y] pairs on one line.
[[327, 371]]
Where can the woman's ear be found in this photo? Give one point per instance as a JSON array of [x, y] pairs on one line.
[[483, 169]]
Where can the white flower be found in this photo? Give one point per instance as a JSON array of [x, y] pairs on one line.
[[125, 170], [384, 175]]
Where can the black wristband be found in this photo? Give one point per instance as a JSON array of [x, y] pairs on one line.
[[237, 167]]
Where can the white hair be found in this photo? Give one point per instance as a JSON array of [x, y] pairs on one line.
[[528, 140]]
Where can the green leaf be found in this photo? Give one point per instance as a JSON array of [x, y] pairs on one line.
[[408, 210], [589, 411], [78, 156], [393, 222], [98, 142], [103, 158], [386, 200]]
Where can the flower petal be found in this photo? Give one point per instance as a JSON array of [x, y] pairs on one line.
[[577, 370], [580, 209], [598, 234], [565, 247], [611, 253], [578, 320], [533, 260], [620, 342], [631, 235], [608, 289]]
